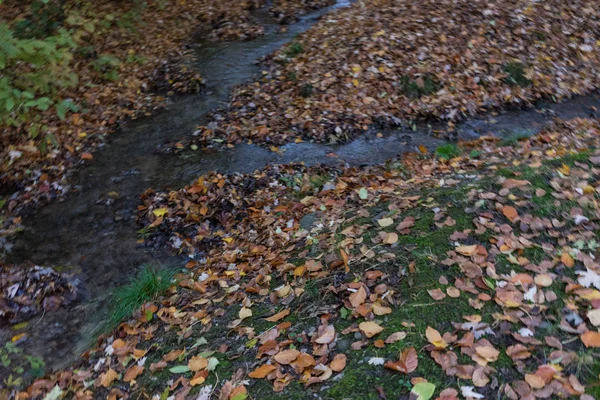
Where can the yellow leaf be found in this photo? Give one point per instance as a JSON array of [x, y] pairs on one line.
[[159, 212]]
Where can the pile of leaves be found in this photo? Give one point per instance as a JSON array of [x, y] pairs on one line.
[[26, 290], [288, 11], [231, 20], [383, 62], [316, 276]]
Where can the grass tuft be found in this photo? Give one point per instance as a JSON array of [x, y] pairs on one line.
[[515, 74], [147, 285], [293, 50], [448, 151]]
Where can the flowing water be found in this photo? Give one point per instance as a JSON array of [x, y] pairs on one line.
[[93, 230]]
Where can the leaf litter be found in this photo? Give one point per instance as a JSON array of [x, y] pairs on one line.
[[251, 258]]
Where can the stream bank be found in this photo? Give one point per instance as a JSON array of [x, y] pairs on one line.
[[94, 231]]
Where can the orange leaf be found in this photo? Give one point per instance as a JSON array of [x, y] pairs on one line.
[[591, 339], [133, 373], [107, 378], [338, 363], [510, 213], [358, 297], [280, 315], [262, 371], [345, 259], [566, 259]]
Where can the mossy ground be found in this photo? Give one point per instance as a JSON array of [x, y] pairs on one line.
[[416, 269]]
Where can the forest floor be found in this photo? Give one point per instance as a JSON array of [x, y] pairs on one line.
[[469, 272]]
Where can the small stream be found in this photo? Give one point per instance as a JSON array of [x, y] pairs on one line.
[[95, 234]]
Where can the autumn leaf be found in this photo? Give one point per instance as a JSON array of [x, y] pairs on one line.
[[245, 313], [435, 338], [469, 250], [591, 339], [510, 212], [327, 336], [407, 363], [107, 378], [262, 371], [395, 337], [358, 297], [370, 328], [280, 315], [285, 357], [338, 363], [132, 373], [197, 363]]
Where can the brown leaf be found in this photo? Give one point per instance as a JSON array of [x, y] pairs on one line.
[[197, 363], [395, 337], [436, 294], [566, 259], [358, 297], [435, 338], [407, 363], [133, 373], [327, 336], [370, 328], [286, 356]]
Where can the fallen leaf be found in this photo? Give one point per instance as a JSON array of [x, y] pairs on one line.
[[107, 378], [197, 363], [262, 371], [327, 336], [338, 363], [370, 328], [510, 213], [591, 339], [133, 373], [286, 356], [280, 315], [407, 363], [435, 338], [395, 337]]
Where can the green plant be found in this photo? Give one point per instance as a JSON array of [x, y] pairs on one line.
[[448, 151], [293, 50], [43, 20], [306, 90], [33, 72], [107, 66], [415, 88], [515, 74], [514, 139], [146, 286]]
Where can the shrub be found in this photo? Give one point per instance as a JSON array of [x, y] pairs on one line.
[[32, 72]]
